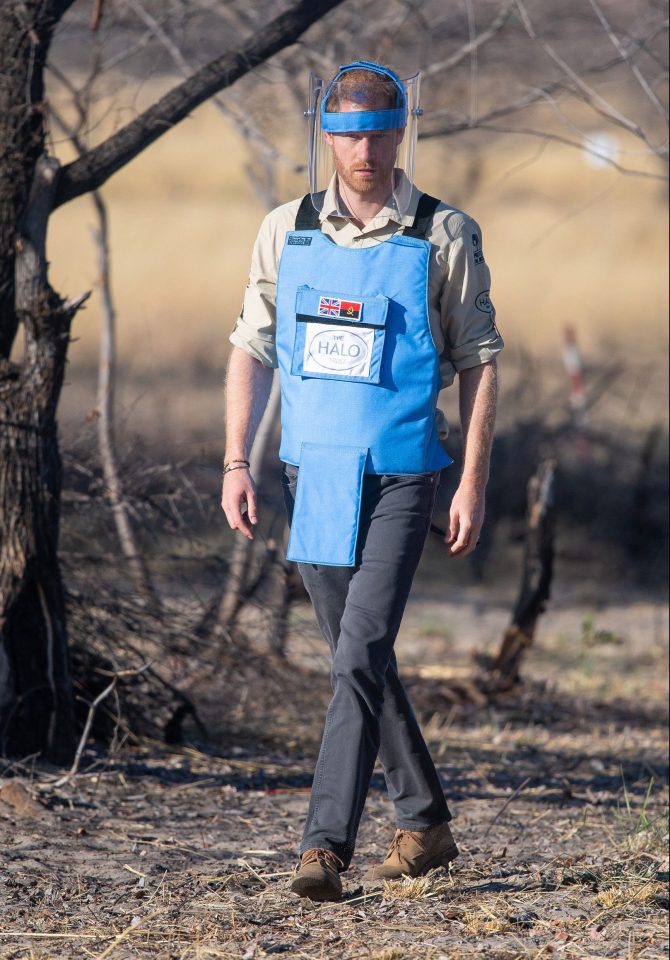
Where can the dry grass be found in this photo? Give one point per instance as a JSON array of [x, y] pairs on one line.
[[182, 855], [416, 888], [144, 871]]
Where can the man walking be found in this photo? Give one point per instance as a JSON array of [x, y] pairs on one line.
[[369, 296]]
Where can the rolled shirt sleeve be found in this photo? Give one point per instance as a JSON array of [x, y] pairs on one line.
[[254, 329], [467, 312]]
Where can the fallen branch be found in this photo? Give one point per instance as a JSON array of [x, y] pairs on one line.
[[89, 721]]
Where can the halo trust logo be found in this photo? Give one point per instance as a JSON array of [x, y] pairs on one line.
[[338, 351], [483, 302]]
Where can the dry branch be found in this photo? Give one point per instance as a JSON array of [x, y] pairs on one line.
[[89, 721], [535, 582], [139, 570], [445, 122], [595, 100], [106, 434], [97, 165], [625, 55], [469, 48]]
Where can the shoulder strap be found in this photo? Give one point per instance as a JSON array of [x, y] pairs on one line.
[[425, 211], [307, 217]]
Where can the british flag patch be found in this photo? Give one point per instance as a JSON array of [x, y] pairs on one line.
[[328, 307]]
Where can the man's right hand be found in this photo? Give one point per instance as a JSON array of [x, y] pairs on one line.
[[238, 499]]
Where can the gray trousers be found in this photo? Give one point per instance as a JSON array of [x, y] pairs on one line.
[[359, 610]]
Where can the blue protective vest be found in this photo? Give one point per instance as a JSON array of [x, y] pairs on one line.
[[359, 375]]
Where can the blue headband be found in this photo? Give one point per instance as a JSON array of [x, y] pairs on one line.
[[364, 120]]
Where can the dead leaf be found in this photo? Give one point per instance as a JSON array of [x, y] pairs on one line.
[[15, 795]]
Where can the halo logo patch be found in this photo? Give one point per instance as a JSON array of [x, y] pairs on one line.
[[337, 350], [483, 302]]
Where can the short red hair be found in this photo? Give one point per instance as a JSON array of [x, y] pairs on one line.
[[365, 87]]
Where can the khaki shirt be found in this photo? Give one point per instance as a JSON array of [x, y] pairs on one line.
[[462, 317]]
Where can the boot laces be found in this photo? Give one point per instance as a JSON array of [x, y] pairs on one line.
[[325, 857], [397, 841]]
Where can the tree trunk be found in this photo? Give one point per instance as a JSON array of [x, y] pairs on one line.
[[35, 698], [35, 693]]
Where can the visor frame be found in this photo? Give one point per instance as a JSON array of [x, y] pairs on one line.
[[320, 166]]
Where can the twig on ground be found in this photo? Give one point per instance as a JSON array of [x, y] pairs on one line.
[[132, 928], [89, 721], [251, 870], [512, 796]]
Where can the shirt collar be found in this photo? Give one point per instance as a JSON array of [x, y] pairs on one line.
[[331, 208]]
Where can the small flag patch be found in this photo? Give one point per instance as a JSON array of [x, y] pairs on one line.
[[351, 309], [328, 307]]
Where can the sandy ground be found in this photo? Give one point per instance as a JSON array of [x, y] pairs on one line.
[[559, 796]]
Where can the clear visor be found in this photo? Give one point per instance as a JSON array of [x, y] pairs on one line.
[[369, 130]]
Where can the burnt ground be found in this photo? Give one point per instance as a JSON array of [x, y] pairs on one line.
[[559, 794]]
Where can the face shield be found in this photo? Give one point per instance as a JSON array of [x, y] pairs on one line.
[[364, 102]]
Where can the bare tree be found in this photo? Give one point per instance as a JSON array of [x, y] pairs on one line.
[[105, 411], [35, 692]]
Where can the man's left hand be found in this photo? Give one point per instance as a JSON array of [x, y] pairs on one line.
[[466, 517]]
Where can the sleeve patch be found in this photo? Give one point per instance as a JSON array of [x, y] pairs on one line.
[[483, 302]]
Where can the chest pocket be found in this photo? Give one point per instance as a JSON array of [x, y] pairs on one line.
[[338, 337]]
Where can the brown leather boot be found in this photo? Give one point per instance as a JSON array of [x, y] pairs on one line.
[[318, 875], [414, 852]]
